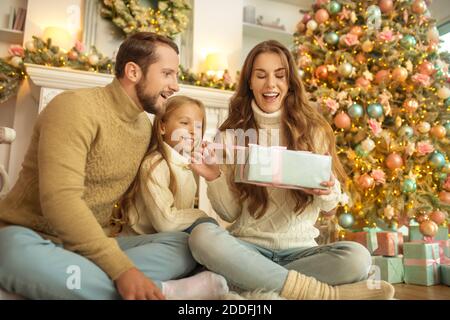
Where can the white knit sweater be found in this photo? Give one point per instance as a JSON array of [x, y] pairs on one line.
[[280, 227], [155, 208]]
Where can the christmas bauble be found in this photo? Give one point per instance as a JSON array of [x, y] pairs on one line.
[[93, 59], [447, 128], [360, 151], [428, 228], [438, 132], [443, 93], [394, 161], [375, 110], [423, 127], [346, 220], [321, 16], [342, 121], [321, 72], [400, 74], [408, 41], [419, 6], [357, 31], [409, 186], [331, 38], [444, 196], [366, 181], [411, 105], [311, 25], [438, 216], [368, 145], [301, 27], [306, 18], [361, 58], [437, 160], [355, 111], [447, 102], [426, 67], [29, 45], [334, 7], [382, 76], [16, 61], [362, 82], [367, 46], [345, 69], [386, 6], [72, 55]]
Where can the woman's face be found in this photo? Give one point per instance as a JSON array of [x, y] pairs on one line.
[[182, 130], [269, 81]]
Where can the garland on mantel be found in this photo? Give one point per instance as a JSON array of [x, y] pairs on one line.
[[40, 52]]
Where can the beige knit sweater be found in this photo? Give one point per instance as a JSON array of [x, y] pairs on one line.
[[155, 208], [85, 151], [280, 227]]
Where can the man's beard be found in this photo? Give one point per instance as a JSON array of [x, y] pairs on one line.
[[147, 102]]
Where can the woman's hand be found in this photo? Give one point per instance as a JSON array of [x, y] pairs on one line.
[[204, 163], [134, 285], [321, 192]]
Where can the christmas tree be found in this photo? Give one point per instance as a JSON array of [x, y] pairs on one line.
[[374, 70]]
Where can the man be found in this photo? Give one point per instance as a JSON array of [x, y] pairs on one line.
[[85, 151]]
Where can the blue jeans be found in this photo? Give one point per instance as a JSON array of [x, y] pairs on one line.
[[249, 266], [37, 268]]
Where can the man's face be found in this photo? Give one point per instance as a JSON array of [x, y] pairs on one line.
[[160, 81]]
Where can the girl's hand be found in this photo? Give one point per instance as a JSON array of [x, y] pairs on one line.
[[321, 192], [203, 163]]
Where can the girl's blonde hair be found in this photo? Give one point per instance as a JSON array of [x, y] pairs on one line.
[[301, 124], [156, 149]]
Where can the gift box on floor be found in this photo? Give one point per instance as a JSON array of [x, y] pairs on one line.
[[415, 234], [279, 167], [421, 262], [445, 274], [379, 243], [390, 269]]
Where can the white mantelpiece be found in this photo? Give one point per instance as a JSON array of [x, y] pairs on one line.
[[47, 82]]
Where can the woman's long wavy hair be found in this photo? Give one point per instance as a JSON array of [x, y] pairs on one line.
[[156, 148], [300, 124]]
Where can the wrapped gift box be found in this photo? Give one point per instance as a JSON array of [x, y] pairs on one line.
[[390, 268], [379, 243], [279, 167], [414, 233], [421, 261], [445, 274]]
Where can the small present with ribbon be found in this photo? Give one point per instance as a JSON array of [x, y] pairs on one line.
[[421, 262], [389, 269], [278, 167], [390, 244], [415, 234], [368, 238]]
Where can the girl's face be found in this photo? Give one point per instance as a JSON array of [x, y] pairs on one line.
[[182, 130], [269, 81]]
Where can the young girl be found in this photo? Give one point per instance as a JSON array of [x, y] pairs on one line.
[[162, 196], [270, 244]]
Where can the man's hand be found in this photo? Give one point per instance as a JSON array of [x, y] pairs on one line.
[[134, 285]]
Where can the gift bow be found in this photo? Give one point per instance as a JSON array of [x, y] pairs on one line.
[[371, 239]]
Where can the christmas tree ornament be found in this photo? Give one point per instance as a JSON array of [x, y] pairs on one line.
[[301, 27], [382, 76], [408, 41], [355, 111], [438, 132], [345, 69], [342, 121], [411, 105], [437, 160], [366, 181], [16, 61], [311, 25], [72, 55], [446, 168], [367, 46], [386, 6], [400, 74], [444, 196], [361, 58], [419, 6], [322, 72], [375, 110], [447, 128], [447, 102], [409, 186], [346, 220], [438, 217], [360, 151], [93, 59], [394, 161], [357, 31], [428, 228], [426, 68], [331, 38], [368, 145], [306, 18], [443, 93], [321, 16], [29, 45], [362, 82], [334, 7], [423, 127]]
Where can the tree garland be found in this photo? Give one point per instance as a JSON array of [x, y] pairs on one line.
[[169, 18]]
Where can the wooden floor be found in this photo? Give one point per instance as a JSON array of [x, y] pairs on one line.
[[412, 292]]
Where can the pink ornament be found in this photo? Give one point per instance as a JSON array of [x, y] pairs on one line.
[[394, 161], [438, 216], [379, 176], [426, 68], [321, 16], [400, 74], [306, 18], [424, 147], [386, 6], [421, 79], [362, 82], [332, 105], [342, 121], [374, 126], [351, 39], [444, 197], [366, 181], [382, 76]]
